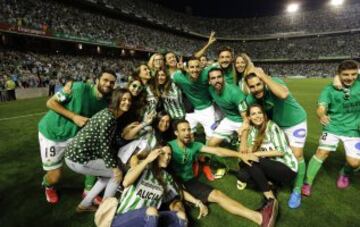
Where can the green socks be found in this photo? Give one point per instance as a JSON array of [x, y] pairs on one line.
[[313, 168], [299, 180], [45, 182], [89, 182]]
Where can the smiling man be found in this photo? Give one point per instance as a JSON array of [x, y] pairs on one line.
[[185, 152], [225, 61], [194, 84], [339, 113], [70, 109], [231, 101], [281, 106]]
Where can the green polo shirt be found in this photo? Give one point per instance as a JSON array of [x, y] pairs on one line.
[[284, 112], [183, 159], [343, 110], [82, 100], [196, 91], [231, 101]]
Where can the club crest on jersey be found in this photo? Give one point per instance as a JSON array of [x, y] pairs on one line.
[[300, 133], [357, 146]]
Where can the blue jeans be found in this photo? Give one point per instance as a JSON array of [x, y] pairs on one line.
[[139, 218]]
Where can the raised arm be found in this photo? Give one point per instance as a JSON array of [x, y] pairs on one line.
[[132, 130], [279, 90], [202, 51], [134, 173]]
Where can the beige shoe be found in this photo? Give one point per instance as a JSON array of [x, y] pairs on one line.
[[81, 209]]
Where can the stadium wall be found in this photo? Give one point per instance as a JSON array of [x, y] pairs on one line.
[[31, 92]]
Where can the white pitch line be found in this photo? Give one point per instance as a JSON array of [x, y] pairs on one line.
[[21, 116]]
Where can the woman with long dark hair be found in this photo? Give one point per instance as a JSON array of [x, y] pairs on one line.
[[147, 187], [162, 93], [145, 137], [91, 151], [266, 140]]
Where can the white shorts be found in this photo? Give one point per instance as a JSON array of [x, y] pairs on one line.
[[52, 152], [296, 134], [219, 115], [329, 142], [205, 117], [226, 128]]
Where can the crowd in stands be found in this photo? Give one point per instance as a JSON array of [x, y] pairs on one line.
[[30, 70], [302, 48], [325, 69], [38, 70], [72, 21], [321, 20]]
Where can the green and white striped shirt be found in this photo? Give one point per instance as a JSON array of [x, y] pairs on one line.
[[172, 101], [275, 139], [147, 192]]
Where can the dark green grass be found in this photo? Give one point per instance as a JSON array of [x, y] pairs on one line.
[[23, 203]]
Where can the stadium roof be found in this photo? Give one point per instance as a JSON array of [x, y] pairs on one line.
[[240, 8]]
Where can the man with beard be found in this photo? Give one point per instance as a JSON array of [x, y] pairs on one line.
[[70, 109], [231, 100], [225, 62], [339, 113], [194, 84], [285, 111], [184, 153]]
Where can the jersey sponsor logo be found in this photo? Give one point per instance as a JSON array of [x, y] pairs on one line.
[[357, 146], [300, 133], [148, 190], [144, 194]]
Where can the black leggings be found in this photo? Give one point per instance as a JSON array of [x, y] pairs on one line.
[[266, 170]]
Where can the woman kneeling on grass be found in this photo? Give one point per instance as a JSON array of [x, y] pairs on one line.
[[147, 187], [90, 152], [277, 163]]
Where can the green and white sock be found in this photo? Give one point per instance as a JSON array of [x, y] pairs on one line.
[[313, 169], [299, 180], [45, 182]]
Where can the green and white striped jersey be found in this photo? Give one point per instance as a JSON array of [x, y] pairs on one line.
[[147, 192], [275, 139], [171, 100]]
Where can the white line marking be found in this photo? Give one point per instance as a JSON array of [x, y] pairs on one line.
[[21, 116]]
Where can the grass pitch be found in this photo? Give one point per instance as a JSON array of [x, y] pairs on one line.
[[23, 203]]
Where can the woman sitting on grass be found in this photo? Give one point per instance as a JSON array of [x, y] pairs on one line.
[[266, 140], [147, 187], [91, 153]]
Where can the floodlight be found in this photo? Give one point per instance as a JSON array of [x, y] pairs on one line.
[[336, 2], [292, 8]]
